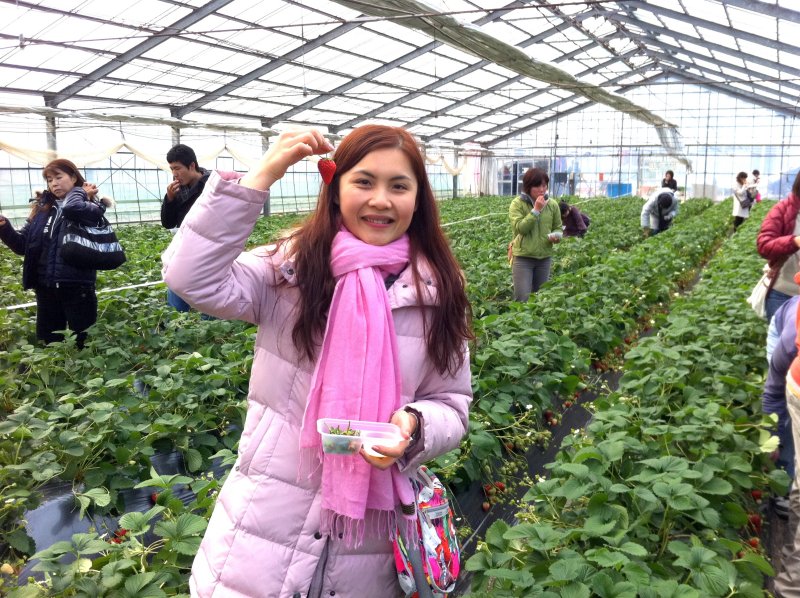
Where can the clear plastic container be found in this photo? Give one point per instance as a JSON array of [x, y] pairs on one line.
[[369, 435]]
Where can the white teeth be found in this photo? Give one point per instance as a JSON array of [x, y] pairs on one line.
[[377, 220]]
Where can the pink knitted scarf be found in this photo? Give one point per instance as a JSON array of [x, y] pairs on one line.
[[357, 377]]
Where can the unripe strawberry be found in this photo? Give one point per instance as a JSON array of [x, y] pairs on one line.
[[327, 168], [6, 569]]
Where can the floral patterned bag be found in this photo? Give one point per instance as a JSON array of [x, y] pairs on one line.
[[437, 554]]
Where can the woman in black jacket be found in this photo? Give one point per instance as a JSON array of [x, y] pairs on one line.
[[65, 294], [669, 181]]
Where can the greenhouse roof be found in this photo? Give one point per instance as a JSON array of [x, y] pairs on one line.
[[451, 71]]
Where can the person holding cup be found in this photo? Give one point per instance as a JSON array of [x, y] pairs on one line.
[[536, 225]]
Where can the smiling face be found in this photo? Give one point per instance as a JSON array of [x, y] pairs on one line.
[[60, 183], [378, 196]]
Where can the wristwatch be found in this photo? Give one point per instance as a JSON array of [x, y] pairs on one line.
[[415, 436]]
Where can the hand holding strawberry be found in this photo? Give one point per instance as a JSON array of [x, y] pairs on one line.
[[289, 148]]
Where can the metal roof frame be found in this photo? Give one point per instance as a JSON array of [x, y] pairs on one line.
[[458, 32]]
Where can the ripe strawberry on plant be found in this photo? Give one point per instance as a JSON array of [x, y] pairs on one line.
[[327, 168], [755, 522], [754, 542]]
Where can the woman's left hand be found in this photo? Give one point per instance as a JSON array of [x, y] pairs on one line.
[[91, 190], [407, 423]]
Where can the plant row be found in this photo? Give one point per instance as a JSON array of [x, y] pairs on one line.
[[540, 350], [659, 496]]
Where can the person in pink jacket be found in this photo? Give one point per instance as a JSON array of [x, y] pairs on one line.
[[362, 314]]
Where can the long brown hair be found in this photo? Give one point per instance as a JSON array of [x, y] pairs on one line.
[[448, 326], [46, 200]]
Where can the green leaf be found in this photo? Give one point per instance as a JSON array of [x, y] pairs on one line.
[[20, 541], [496, 535], [575, 590], [633, 549], [716, 486], [138, 523], [734, 514], [759, 562], [113, 572], [194, 460], [606, 558], [521, 579]]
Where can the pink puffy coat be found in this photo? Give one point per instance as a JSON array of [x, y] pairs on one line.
[[263, 539]]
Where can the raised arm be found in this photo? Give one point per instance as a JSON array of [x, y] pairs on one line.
[[79, 208], [205, 263]]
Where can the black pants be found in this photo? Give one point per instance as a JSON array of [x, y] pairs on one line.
[[64, 307], [737, 221]]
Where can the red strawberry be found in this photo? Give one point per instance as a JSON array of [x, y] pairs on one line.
[[755, 522], [327, 168], [486, 506], [567, 404], [121, 532], [756, 494], [154, 497], [754, 542], [500, 486]]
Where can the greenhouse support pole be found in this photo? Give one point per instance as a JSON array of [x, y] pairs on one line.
[[265, 210], [50, 125], [455, 186], [176, 135]]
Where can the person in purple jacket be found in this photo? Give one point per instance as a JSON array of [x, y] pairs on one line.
[[362, 315], [575, 222], [780, 389], [781, 351]]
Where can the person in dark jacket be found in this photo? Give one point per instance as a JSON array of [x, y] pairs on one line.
[[669, 181], [778, 244], [188, 182], [575, 222], [65, 294]]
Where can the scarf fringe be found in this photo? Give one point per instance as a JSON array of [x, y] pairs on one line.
[[382, 524]]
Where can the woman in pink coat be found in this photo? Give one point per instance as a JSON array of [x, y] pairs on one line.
[[362, 315]]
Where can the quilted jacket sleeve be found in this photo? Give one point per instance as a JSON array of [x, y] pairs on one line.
[[206, 264], [78, 208], [16, 240], [443, 401]]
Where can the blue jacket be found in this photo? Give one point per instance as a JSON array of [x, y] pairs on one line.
[[45, 230], [773, 399]]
